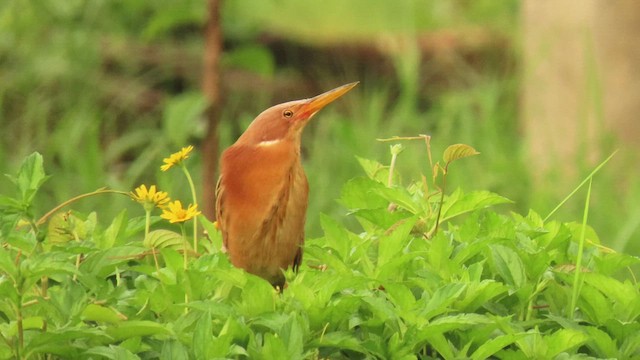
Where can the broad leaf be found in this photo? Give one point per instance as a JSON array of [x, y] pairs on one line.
[[458, 151]]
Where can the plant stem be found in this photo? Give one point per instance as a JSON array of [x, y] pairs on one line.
[[577, 277], [185, 263], [195, 202], [579, 186], [44, 217], [147, 225], [184, 246], [444, 186]]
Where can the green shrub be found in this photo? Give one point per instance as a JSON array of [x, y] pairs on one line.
[[431, 275]]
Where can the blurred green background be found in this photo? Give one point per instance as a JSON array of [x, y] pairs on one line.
[[105, 89]]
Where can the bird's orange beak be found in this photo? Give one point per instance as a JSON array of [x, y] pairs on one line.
[[316, 103]]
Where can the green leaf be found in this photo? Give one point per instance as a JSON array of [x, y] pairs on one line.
[[400, 295], [173, 350], [30, 176], [111, 352], [173, 259], [341, 340], [393, 243], [133, 328], [358, 193], [374, 169], [480, 293], [163, 239], [59, 229], [459, 203], [563, 340], [458, 151], [202, 335], [292, 334], [335, 236], [98, 313], [509, 266], [441, 299], [602, 343], [401, 197], [273, 348], [489, 348], [60, 341], [214, 234], [7, 263], [114, 232], [454, 322], [258, 297], [624, 295]]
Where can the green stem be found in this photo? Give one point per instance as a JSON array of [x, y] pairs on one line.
[[195, 202], [434, 230], [577, 277], [147, 225], [185, 263], [579, 186], [184, 246], [44, 217]]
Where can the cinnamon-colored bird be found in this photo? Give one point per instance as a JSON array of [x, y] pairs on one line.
[[262, 192]]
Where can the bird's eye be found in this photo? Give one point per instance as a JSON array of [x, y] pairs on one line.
[[287, 113]]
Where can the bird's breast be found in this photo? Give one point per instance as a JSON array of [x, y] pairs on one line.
[[264, 206]]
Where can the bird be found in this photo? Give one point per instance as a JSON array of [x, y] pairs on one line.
[[262, 191]]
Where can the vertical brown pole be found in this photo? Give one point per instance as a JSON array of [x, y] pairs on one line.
[[211, 89]]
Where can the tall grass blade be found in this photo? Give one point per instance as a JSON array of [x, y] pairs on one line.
[[577, 277], [587, 179]]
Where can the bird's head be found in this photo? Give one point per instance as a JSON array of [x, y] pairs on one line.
[[286, 121]]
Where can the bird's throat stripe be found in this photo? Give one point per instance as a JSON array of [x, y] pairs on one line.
[[269, 142]]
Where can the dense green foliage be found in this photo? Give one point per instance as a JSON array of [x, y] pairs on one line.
[[483, 285], [103, 88]]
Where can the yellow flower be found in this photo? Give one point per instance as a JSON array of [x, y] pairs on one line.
[[176, 158], [150, 198], [175, 213]]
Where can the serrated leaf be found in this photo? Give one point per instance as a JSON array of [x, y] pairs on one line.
[[358, 193], [563, 340], [459, 203], [602, 343], [489, 348], [30, 176], [401, 197], [202, 335], [458, 151], [441, 299], [509, 266], [392, 244], [341, 340], [373, 169]]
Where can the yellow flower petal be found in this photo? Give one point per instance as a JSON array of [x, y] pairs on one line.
[[176, 158], [174, 212], [149, 197]]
